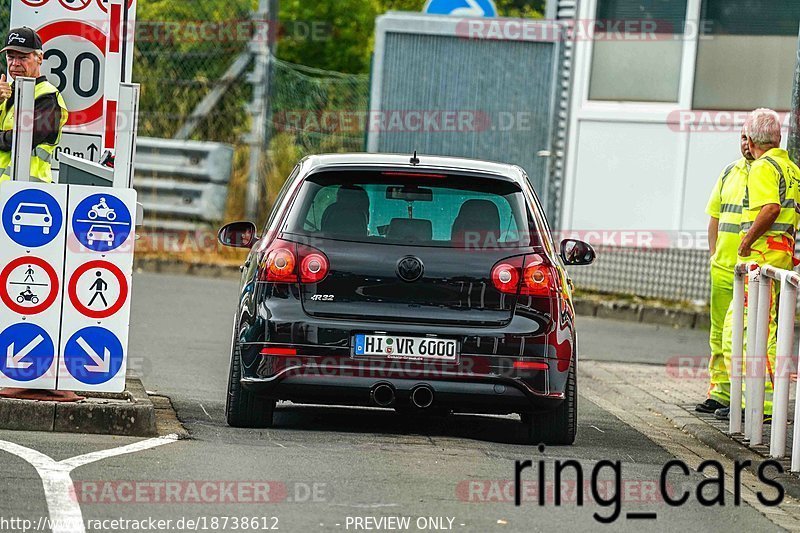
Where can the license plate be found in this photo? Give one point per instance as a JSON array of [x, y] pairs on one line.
[[394, 347]]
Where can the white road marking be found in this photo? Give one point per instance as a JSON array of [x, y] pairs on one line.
[[62, 505], [206, 412]]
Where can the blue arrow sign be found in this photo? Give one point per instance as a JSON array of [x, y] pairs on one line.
[[101, 222], [93, 355], [463, 8], [27, 352], [32, 218]]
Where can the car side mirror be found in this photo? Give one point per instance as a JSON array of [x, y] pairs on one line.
[[238, 235], [575, 252]]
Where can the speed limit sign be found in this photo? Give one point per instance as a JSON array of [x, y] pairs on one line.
[[73, 62], [75, 34]]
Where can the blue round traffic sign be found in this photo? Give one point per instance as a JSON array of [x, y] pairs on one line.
[[464, 8], [102, 222], [27, 352], [32, 218], [93, 355]]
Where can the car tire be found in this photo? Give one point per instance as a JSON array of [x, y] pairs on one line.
[[243, 409], [556, 427], [46, 231]]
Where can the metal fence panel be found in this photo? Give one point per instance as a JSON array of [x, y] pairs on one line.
[[426, 64], [182, 184], [666, 273]]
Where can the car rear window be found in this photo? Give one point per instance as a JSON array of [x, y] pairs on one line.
[[424, 209]]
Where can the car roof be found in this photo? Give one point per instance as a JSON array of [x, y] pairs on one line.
[[403, 161]]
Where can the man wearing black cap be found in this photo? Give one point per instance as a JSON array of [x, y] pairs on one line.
[[24, 57]]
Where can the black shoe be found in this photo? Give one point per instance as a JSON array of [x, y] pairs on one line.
[[708, 406], [723, 413]]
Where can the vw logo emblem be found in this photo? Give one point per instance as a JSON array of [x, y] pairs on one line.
[[410, 269]]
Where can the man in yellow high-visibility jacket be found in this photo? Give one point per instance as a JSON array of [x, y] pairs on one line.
[[769, 224], [725, 209], [24, 56]]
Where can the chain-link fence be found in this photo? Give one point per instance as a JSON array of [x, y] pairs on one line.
[[183, 51]]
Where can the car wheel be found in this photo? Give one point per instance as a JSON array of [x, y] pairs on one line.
[[558, 426], [17, 229], [243, 409], [46, 231]]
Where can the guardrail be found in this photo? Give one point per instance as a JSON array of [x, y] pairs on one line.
[[759, 280], [182, 185]]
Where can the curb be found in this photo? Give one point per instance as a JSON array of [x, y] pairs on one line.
[[640, 313], [164, 266], [130, 413], [732, 447]]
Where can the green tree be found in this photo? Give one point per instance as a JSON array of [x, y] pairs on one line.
[[350, 26]]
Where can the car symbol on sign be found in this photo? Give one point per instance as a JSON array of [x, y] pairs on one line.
[[100, 233], [34, 215]]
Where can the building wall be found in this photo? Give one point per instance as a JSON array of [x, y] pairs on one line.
[[641, 165], [641, 171]]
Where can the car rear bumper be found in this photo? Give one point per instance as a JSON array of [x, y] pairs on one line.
[[340, 385]]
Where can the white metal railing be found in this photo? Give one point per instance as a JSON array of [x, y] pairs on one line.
[[760, 280]]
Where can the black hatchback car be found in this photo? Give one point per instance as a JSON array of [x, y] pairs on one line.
[[420, 284]]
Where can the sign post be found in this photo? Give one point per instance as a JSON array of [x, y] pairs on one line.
[[22, 141], [127, 126]]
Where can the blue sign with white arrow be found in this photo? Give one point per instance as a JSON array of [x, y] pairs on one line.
[[462, 8], [102, 222], [32, 218], [93, 355], [27, 352]]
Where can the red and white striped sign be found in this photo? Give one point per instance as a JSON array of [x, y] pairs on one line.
[[118, 50]]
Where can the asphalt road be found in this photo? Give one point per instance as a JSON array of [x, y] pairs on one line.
[[337, 469]]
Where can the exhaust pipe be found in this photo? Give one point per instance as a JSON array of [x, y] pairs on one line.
[[382, 395], [422, 397]]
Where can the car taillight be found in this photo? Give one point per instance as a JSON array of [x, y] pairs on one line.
[[288, 262], [530, 365], [505, 277], [536, 278], [313, 267], [280, 265]]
